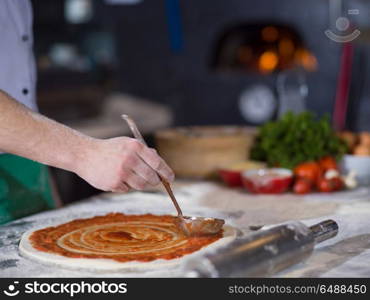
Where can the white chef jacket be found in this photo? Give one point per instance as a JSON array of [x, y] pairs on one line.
[[17, 64]]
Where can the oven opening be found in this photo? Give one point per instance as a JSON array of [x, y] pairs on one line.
[[262, 48]]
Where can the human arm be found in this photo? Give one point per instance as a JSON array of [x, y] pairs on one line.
[[110, 165]]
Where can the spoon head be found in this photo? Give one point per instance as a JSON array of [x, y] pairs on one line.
[[197, 226]]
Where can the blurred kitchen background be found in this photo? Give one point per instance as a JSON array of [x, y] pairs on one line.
[[186, 62]]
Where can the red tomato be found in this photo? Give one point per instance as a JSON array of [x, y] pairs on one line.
[[329, 185], [302, 186], [308, 170], [337, 183], [324, 185], [327, 163]]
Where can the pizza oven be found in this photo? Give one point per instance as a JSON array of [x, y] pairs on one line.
[[262, 48]]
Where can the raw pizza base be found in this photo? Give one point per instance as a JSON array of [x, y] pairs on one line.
[[100, 264]]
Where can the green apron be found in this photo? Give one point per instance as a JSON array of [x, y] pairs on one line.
[[24, 187]]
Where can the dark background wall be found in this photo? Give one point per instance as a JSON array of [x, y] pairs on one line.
[[184, 80], [164, 49]]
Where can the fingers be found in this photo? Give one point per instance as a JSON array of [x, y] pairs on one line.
[[151, 158], [139, 165], [121, 163], [121, 188], [133, 180], [144, 171]]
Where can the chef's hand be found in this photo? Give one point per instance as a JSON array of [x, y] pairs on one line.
[[119, 164]]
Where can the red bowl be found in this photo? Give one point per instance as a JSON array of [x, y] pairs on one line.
[[267, 181], [232, 178]]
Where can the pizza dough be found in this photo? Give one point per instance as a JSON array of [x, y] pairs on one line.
[[117, 242]]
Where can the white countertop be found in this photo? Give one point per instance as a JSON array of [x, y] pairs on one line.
[[346, 255]]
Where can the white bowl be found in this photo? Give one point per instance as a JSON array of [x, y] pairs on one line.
[[358, 164]]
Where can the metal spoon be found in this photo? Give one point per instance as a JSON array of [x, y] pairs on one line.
[[191, 226]]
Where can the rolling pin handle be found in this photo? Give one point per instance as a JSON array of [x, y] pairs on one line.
[[324, 230]]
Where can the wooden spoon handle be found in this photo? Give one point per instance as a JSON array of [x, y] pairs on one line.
[[167, 186], [135, 131]]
